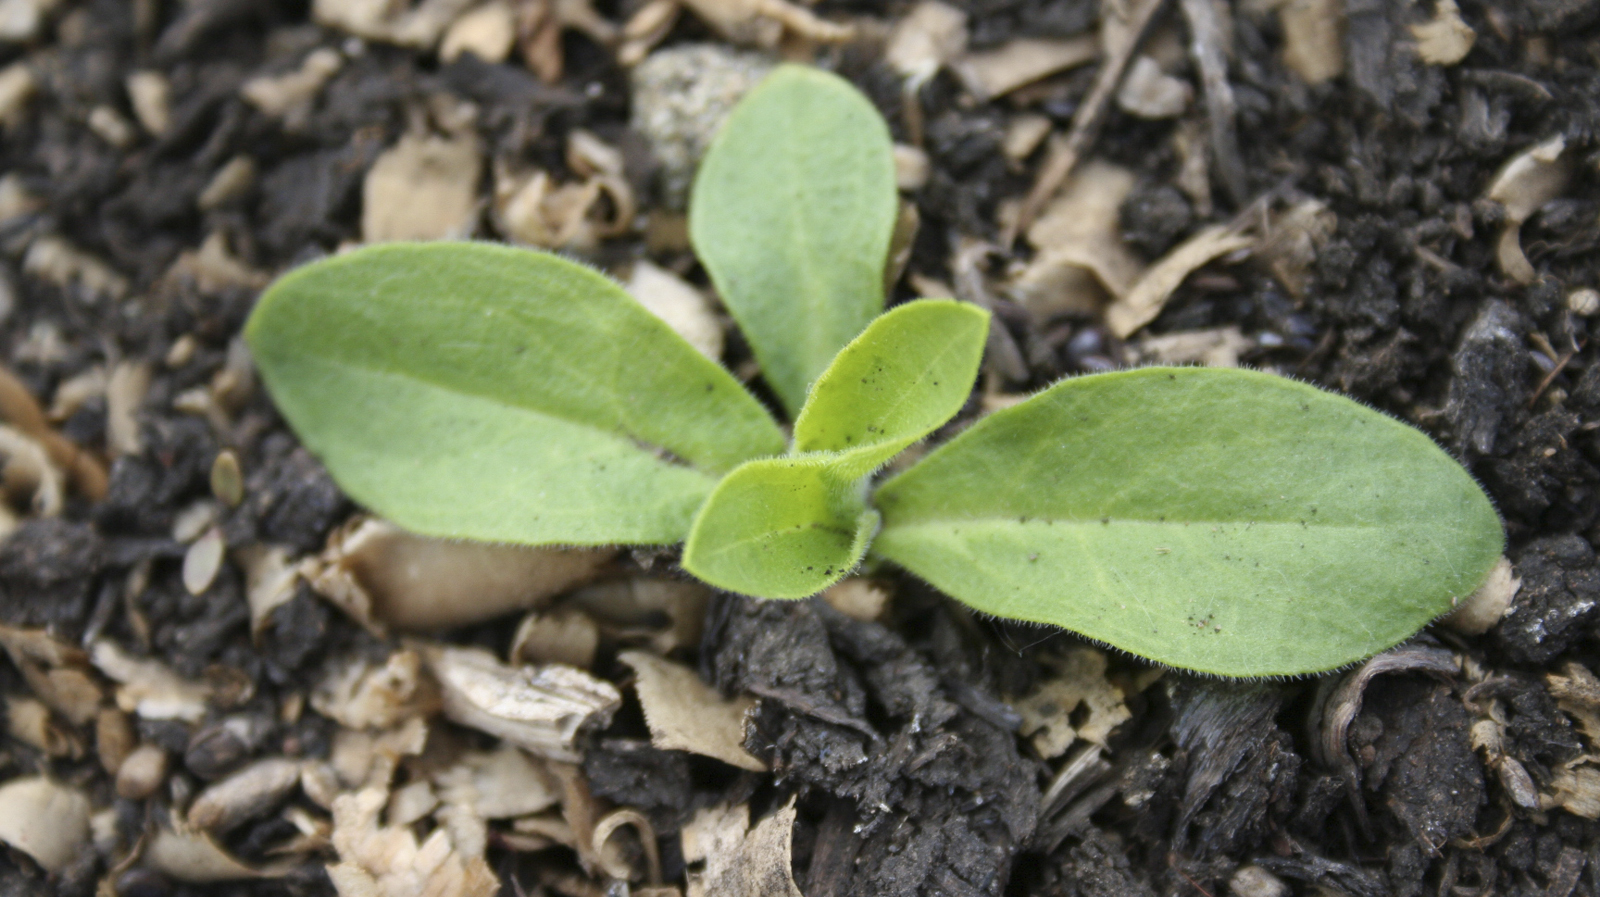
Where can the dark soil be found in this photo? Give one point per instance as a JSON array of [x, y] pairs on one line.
[[910, 775]]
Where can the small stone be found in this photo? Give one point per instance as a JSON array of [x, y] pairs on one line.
[[680, 97]]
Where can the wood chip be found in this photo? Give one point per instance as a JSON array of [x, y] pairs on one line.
[[361, 693], [29, 721], [1527, 181], [384, 577], [1148, 92], [1313, 38], [685, 714], [17, 86], [150, 94], [1145, 299], [763, 23], [125, 394], [487, 32], [418, 25], [1215, 347], [926, 39], [148, 688], [499, 784], [203, 560], [191, 856], [859, 598], [388, 861], [244, 795], [46, 820], [1077, 688], [1480, 611], [542, 710], [232, 181], [685, 309], [423, 188], [1445, 39], [71, 269], [993, 73]]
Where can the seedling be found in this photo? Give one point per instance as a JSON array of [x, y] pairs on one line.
[[1227, 521]]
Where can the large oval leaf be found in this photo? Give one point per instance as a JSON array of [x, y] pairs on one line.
[[791, 213], [908, 372], [479, 391], [1226, 521], [780, 528]]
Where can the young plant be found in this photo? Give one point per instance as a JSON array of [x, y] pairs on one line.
[[1227, 521]]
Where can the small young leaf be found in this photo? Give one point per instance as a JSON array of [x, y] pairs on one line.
[[780, 528], [1226, 521], [479, 391], [791, 213], [908, 372]]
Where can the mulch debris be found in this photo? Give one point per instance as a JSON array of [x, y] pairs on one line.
[[1399, 200]]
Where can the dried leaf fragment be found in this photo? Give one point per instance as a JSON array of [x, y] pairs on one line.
[[1145, 299], [740, 861], [1081, 257], [541, 710], [45, 820], [1148, 92], [926, 39], [685, 714]]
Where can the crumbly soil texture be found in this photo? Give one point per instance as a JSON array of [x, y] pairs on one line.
[[925, 750]]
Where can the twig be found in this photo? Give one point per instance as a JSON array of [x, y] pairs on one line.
[[1086, 122], [1205, 36]]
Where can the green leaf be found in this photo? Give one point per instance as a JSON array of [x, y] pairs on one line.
[[1226, 521], [479, 391], [791, 213], [908, 372], [780, 528]]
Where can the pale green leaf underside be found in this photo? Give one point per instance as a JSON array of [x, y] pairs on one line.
[[1225, 521], [780, 528], [479, 391], [908, 372], [791, 213]]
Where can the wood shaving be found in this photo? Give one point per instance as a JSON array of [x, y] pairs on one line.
[[488, 32], [1024, 134], [498, 784], [73, 392], [270, 581], [1480, 611], [542, 710], [15, 199], [685, 714], [1576, 790], [191, 856], [762, 23], [29, 721], [685, 309], [926, 39], [384, 577], [740, 861], [203, 561], [1148, 92], [150, 94], [418, 26], [30, 478], [1216, 347], [1530, 179], [290, 95], [563, 635], [423, 188], [213, 269], [1577, 694], [859, 598], [19, 408], [388, 861], [109, 125], [125, 393], [232, 181], [46, 820], [633, 610], [1145, 299], [17, 86], [1082, 259], [146, 687], [359, 693], [1445, 39], [993, 73], [1079, 682], [1313, 38], [71, 269]]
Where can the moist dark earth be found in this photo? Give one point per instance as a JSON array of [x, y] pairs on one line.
[[894, 735]]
